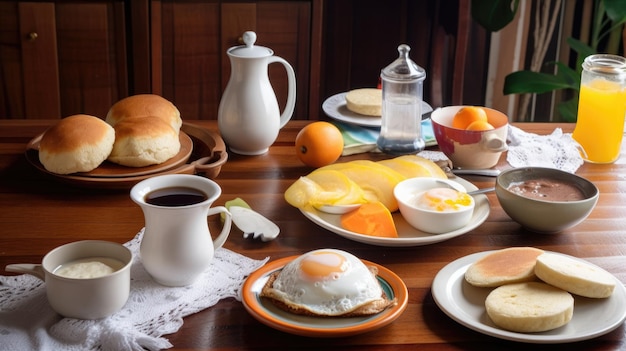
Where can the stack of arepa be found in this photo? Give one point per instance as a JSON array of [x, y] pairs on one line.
[[533, 289]]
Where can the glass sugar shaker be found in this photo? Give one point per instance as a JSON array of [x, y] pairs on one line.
[[402, 83]]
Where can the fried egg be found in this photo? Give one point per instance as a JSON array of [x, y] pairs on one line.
[[443, 199], [326, 282]]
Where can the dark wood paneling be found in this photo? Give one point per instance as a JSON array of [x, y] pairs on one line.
[[361, 37], [196, 35], [39, 53], [61, 58], [92, 76]]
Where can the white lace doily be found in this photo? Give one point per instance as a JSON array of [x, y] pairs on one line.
[[557, 150], [27, 322]]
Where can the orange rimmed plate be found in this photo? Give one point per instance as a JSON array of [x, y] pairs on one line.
[[265, 312]]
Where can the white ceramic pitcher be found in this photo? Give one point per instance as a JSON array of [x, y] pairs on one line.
[[249, 117], [177, 246]]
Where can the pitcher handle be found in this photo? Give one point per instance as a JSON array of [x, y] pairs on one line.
[[291, 93], [221, 238]]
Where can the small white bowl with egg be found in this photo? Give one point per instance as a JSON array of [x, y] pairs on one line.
[[431, 206]]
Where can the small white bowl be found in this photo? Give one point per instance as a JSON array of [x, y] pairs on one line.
[[430, 221], [83, 298]]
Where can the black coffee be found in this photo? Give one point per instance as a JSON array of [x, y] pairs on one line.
[[175, 196]]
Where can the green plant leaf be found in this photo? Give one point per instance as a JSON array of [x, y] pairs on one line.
[[616, 10], [567, 75], [495, 14], [583, 50], [569, 109], [522, 82]]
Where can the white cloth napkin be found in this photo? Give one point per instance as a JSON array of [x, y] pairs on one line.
[[557, 150], [27, 322]]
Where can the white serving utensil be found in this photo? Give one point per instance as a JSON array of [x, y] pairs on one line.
[[251, 223], [459, 187]]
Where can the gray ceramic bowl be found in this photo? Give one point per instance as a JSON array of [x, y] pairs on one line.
[[545, 216]]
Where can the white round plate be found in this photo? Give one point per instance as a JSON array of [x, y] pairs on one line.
[[267, 313], [466, 304], [407, 235], [335, 107]]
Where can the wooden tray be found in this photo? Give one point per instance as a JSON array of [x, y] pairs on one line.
[[203, 152]]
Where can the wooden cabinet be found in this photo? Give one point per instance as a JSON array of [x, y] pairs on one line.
[[362, 37], [189, 40], [59, 58]]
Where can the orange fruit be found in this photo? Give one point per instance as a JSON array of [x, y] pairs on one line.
[[479, 125], [319, 144], [467, 115]]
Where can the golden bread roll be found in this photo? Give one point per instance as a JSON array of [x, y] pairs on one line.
[[365, 101], [144, 141], [529, 307], [576, 276], [506, 266], [78, 143], [144, 105]]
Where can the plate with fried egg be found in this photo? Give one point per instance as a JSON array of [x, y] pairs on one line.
[[297, 294]]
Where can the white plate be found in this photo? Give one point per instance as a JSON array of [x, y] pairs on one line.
[[466, 304], [335, 107], [267, 313], [407, 235]]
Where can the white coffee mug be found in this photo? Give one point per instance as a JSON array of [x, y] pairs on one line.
[[177, 246]]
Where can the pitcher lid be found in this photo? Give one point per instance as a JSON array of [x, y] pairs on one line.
[[249, 49]]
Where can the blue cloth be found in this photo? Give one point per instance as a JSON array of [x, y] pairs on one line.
[[359, 139]]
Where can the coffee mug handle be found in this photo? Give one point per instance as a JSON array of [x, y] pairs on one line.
[[221, 238], [494, 143]]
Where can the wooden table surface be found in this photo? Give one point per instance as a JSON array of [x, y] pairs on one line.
[[38, 213]]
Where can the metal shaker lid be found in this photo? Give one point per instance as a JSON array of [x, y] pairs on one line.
[[403, 68], [249, 49]]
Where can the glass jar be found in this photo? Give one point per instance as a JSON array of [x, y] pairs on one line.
[[402, 85], [601, 108]]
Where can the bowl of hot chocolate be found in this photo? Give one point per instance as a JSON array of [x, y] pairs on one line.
[[545, 200]]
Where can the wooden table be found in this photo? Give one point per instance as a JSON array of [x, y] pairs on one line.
[[38, 214]]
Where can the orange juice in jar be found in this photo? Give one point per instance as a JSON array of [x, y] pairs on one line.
[[601, 108]]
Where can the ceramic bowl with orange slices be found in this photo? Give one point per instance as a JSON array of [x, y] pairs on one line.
[[472, 137]]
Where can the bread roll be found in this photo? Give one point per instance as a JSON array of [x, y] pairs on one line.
[[78, 143], [366, 101], [144, 105], [529, 307], [576, 276], [506, 266], [143, 141]]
